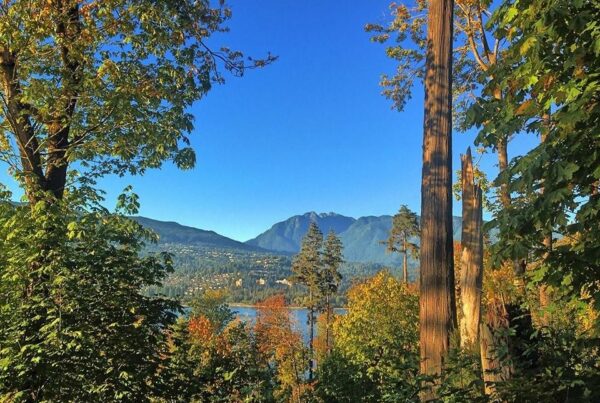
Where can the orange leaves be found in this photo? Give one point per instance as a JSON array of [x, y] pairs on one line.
[[201, 329], [274, 327], [280, 344]]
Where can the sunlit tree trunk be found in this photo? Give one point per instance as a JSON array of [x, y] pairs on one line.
[[437, 305], [471, 274]]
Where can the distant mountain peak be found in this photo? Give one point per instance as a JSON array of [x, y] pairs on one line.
[[315, 215], [361, 237], [286, 236]]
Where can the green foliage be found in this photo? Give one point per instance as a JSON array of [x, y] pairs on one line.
[[461, 380], [307, 265], [550, 65], [74, 325], [567, 369], [378, 340], [332, 262], [405, 225], [106, 83], [213, 306], [405, 38], [342, 381]]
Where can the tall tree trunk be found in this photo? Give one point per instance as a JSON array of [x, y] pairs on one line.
[[437, 305], [405, 260], [472, 255]]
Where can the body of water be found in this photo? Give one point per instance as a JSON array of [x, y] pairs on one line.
[[299, 317]]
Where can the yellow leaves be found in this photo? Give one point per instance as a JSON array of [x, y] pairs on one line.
[[525, 107], [107, 68], [527, 44]]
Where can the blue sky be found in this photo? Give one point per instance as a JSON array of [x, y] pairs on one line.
[[309, 133]]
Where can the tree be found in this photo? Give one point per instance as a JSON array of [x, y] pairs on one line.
[[405, 225], [98, 338], [475, 55], [105, 85], [438, 310], [92, 88], [478, 50], [212, 305], [332, 261], [214, 358], [550, 64], [307, 269], [282, 347], [378, 338]]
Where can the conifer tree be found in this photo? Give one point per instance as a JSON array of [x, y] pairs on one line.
[[331, 278], [404, 226], [307, 269]]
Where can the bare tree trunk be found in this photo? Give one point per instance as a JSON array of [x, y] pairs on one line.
[[472, 255], [405, 261], [437, 305]]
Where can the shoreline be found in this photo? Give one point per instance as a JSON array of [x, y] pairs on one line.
[[241, 305], [254, 306]]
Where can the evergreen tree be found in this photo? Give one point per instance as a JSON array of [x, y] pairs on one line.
[[405, 225], [331, 278], [307, 269]]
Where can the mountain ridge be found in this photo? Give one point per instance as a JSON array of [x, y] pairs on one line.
[[174, 232], [361, 237]]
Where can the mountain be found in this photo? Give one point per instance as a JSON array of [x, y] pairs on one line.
[[361, 237], [362, 241], [174, 233], [287, 235]]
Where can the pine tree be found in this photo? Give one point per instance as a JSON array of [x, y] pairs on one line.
[[331, 278], [307, 269], [404, 226]]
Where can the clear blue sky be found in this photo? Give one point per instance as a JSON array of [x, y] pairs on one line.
[[310, 132]]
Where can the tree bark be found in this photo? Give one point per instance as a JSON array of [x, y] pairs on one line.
[[472, 255], [437, 305]]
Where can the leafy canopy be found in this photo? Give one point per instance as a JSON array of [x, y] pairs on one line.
[[105, 83]]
